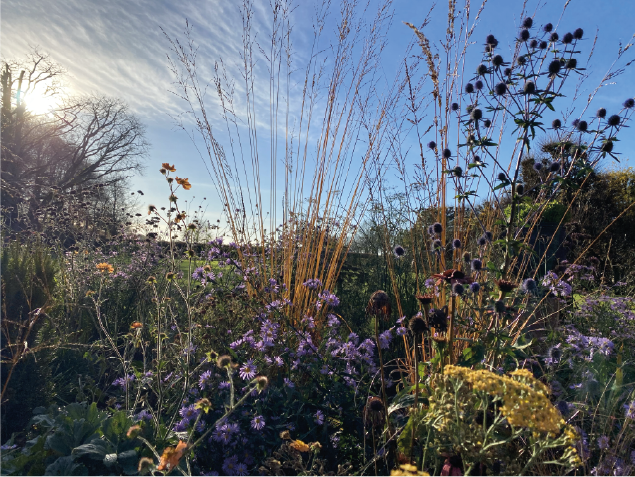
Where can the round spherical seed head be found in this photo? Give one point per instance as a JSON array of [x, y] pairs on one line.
[[223, 361], [607, 146], [432, 144], [476, 114], [375, 404], [567, 38], [487, 123], [556, 124], [521, 60], [554, 67], [501, 89], [478, 84], [572, 64], [528, 22], [379, 303], [475, 287], [458, 289], [469, 88], [481, 70], [583, 126], [491, 40], [578, 33], [614, 120], [543, 45], [533, 43], [530, 87], [417, 325], [447, 153], [629, 103], [554, 37], [456, 243], [399, 251], [497, 60], [499, 306], [554, 167], [437, 244], [529, 285], [601, 113], [457, 172], [520, 189], [454, 106], [467, 257], [547, 28], [481, 241], [477, 264], [524, 35], [437, 228]]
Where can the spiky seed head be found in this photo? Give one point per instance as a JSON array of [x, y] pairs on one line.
[[500, 89], [447, 153], [454, 106], [458, 289], [520, 189], [507, 71], [554, 67], [556, 124], [529, 285], [528, 22], [223, 361], [437, 244], [476, 114], [477, 264], [456, 243], [475, 287], [524, 34], [530, 87], [399, 251], [554, 37], [629, 103], [505, 286], [521, 60], [469, 88], [481, 241], [554, 167], [497, 60], [601, 113], [614, 120], [432, 144], [499, 306], [567, 38], [417, 325], [375, 404], [572, 64], [583, 126], [502, 177], [437, 228], [578, 33], [547, 28], [607, 146], [491, 40], [457, 172], [488, 235], [379, 303], [481, 70], [487, 123], [478, 84], [543, 45], [533, 44]]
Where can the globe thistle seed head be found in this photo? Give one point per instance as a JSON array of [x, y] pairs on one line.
[[507, 72], [417, 325], [521, 60], [447, 153], [567, 38], [491, 40], [477, 264], [614, 120], [575, 123], [467, 257], [577, 34], [528, 22], [520, 189], [572, 64], [583, 126], [499, 306], [500, 89], [479, 84], [543, 45], [554, 167], [555, 353], [537, 166], [481, 70], [481, 241], [437, 227], [431, 230], [554, 37], [487, 123], [497, 60], [379, 304], [529, 285], [601, 113], [454, 106], [607, 146], [530, 87], [488, 235], [458, 289], [524, 34], [437, 244], [556, 124], [432, 144], [457, 172], [629, 103], [476, 114], [475, 287], [469, 88], [456, 244], [533, 44], [399, 251], [502, 177], [554, 67]]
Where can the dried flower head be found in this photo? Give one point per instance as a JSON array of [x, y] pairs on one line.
[[476, 114], [425, 299], [601, 113], [607, 146], [524, 35], [543, 45], [457, 172], [500, 89], [614, 120], [491, 40], [481, 241], [399, 251], [432, 144], [469, 88], [167, 166], [439, 318], [467, 257], [528, 22], [533, 44], [417, 325], [520, 189], [554, 167], [578, 33], [502, 177], [475, 287], [223, 361], [487, 123], [547, 28], [481, 70], [554, 37], [184, 183], [447, 153], [479, 84], [456, 243], [379, 304], [458, 289], [529, 88], [629, 103], [454, 106], [505, 286], [105, 268], [261, 382], [567, 38], [477, 264], [554, 67], [437, 228], [437, 245], [499, 306], [498, 60], [571, 64], [529, 285], [556, 124]]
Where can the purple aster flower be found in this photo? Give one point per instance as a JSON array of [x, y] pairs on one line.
[[384, 339], [258, 423], [230, 464], [241, 469], [189, 412], [288, 383], [123, 382], [313, 283], [224, 385], [204, 380], [603, 442], [278, 360], [143, 415], [319, 418], [630, 410], [248, 370]]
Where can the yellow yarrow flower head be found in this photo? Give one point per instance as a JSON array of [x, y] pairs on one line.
[[105, 268]]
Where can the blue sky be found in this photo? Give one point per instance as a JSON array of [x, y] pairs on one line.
[[117, 48]]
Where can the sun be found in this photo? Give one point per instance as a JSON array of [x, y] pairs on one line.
[[38, 103]]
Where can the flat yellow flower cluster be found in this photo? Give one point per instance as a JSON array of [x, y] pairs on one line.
[[525, 399], [408, 470]]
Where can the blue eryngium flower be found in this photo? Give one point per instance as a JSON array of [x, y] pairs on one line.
[[529, 285], [437, 228], [475, 287], [399, 251]]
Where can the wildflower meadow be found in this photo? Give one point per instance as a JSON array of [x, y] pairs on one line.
[[423, 270]]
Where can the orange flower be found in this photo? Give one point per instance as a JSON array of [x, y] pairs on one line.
[[105, 268], [136, 324], [184, 182], [166, 165], [300, 446], [180, 216], [171, 456]]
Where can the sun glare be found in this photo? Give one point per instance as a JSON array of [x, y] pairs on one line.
[[38, 103]]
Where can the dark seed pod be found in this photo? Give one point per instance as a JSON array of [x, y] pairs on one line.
[[556, 124], [554, 67], [607, 147], [469, 88], [476, 114], [567, 38], [432, 144], [501, 89], [537, 166], [577, 34], [502, 177], [524, 35], [491, 40], [614, 120], [547, 28], [458, 289], [520, 189], [554, 167], [499, 306], [457, 172], [601, 113], [629, 103], [467, 257], [497, 60], [447, 153], [533, 44], [572, 64], [583, 126], [477, 264], [437, 228], [481, 69], [554, 37], [507, 72], [417, 325], [487, 123], [454, 106], [529, 88], [528, 22], [479, 84], [543, 45]]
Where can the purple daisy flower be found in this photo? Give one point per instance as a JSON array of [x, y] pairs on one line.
[[248, 370], [258, 423]]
